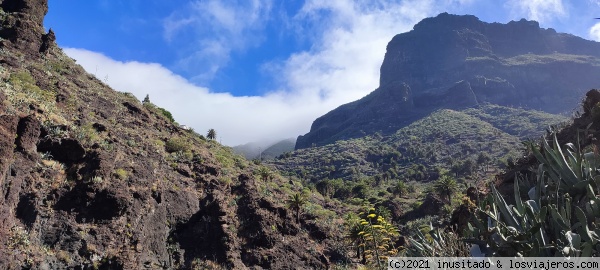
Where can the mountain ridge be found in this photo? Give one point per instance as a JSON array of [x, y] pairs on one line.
[[455, 62]]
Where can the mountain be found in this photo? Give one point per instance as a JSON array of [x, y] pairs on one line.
[[456, 62], [249, 150], [262, 151], [91, 178], [279, 148]]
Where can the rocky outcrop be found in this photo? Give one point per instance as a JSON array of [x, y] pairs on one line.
[[452, 61], [87, 180], [22, 25]]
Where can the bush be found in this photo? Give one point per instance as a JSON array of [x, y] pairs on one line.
[[176, 144], [167, 114], [121, 174], [160, 110]]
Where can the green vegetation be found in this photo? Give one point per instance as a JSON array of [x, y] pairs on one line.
[[158, 110], [445, 186], [295, 203], [121, 174], [87, 134], [471, 146], [373, 236], [264, 173], [429, 241], [211, 134], [176, 144], [167, 114], [524, 124], [529, 59], [557, 216]]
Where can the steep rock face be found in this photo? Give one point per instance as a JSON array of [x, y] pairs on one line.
[[89, 178], [452, 61], [358, 118], [22, 25]]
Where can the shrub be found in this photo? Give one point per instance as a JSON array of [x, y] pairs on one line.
[[176, 144], [120, 173], [157, 109], [167, 114]]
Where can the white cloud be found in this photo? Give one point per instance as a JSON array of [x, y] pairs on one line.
[[211, 30], [542, 11], [595, 32], [236, 119], [344, 63], [350, 39]]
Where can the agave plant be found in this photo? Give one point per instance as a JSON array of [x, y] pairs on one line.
[[434, 242], [558, 219]]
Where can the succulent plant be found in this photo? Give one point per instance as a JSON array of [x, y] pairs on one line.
[[558, 219]]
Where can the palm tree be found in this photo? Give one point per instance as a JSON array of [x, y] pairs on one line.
[[212, 134], [401, 188], [445, 186], [265, 173], [295, 202], [356, 236]]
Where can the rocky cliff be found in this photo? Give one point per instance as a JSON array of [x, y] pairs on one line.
[[91, 178], [452, 61]]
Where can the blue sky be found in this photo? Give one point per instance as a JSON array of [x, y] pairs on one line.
[[260, 70]]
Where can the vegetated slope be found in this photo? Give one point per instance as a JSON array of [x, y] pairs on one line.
[[456, 62], [558, 168], [442, 138], [524, 124], [93, 178], [396, 171]]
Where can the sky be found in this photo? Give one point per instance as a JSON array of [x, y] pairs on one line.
[[264, 70]]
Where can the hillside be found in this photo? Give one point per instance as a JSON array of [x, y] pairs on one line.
[[92, 178], [437, 140], [457, 62], [472, 145]]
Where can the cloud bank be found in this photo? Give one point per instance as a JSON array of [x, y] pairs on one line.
[[348, 45], [343, 65]]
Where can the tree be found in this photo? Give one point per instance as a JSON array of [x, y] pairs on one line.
[[401, 188], [146, 99], [325, 187], [468, 166], [264, 173], [445, 186], [212, 134], [483, 159], [355, 234], [295, 203]]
